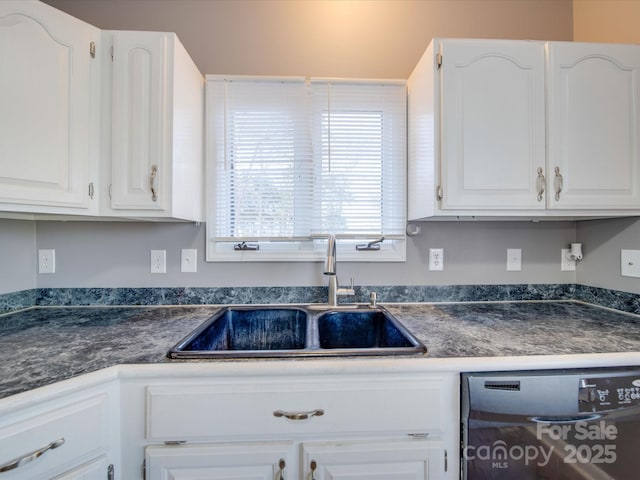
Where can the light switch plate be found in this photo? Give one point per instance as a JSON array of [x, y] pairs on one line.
[[566, 264], [189, 260], [514, 259], [630, 263]]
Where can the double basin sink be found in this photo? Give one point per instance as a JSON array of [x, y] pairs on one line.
[[293, 331]]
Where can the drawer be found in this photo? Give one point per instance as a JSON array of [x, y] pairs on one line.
[[202, 412], [83, 426]]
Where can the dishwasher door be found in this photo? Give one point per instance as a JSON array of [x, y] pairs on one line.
[[552, 424]]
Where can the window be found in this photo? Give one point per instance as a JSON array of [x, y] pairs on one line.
[[290, 161]]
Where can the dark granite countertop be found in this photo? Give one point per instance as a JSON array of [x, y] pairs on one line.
[[41, 346]]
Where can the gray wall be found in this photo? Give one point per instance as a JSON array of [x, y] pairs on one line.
[[341, 38], [17, 255], [602, 241], [111, 254]]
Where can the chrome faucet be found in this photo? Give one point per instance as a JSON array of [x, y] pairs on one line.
[[330, 269]]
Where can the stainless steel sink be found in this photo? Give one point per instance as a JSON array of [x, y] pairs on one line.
[[294, 331]]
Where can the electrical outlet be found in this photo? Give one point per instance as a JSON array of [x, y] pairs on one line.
[[189, 260], [47, 261], [436, 259], [158, 261], [514, 259], [567, 264]]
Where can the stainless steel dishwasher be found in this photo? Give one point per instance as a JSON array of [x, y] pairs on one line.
[[551, 424]]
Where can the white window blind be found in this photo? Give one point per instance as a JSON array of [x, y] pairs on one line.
[[360, 158], [262, 162], [290, 161]]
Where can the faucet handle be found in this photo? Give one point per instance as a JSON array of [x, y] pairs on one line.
[[373, 300]]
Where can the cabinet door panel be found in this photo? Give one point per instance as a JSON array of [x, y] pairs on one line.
[[241, 461], [348, 404], [492, 124], [399, 459], [139, 120], [45, 100], [96, 469], [81, 427], [594, 109]]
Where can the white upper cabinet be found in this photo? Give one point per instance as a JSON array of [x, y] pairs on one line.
[[157, 104], [504, 128], [492, 117], [594, 109], [49, 110]]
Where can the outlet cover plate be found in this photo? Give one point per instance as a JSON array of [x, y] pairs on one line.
[[158, 261], [436, 259], [46, 261]]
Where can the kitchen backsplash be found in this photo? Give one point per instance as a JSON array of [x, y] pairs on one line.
[[623, 301]]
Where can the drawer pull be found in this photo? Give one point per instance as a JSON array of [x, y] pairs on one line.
[[298, 415], [13, 464], [313, 465]]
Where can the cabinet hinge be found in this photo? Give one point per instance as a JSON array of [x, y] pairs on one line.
[[439, 59], [439, 194], [110, 472], [144, 470], [91, 190], [92, 49], [111, 190]]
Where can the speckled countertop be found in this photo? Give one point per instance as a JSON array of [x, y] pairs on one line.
[[41, 346]]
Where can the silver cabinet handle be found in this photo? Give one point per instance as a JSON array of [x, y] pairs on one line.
[[313, 465], [298, 415], [152, 182], [540, 184], [558, 183], [29, 457], [281, 465]]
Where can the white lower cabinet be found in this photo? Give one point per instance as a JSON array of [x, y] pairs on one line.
[[71, 437], [93, 470], [263, 461], [397, 459], [318, 427]]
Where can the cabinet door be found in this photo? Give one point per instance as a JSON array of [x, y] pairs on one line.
[[96, 469], [240, 461], [594, 109], [139, 120], [492, 124], [46, 104], [399, 460]]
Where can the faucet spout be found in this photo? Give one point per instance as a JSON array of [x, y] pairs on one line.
[[330, 269], [330, 264]]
